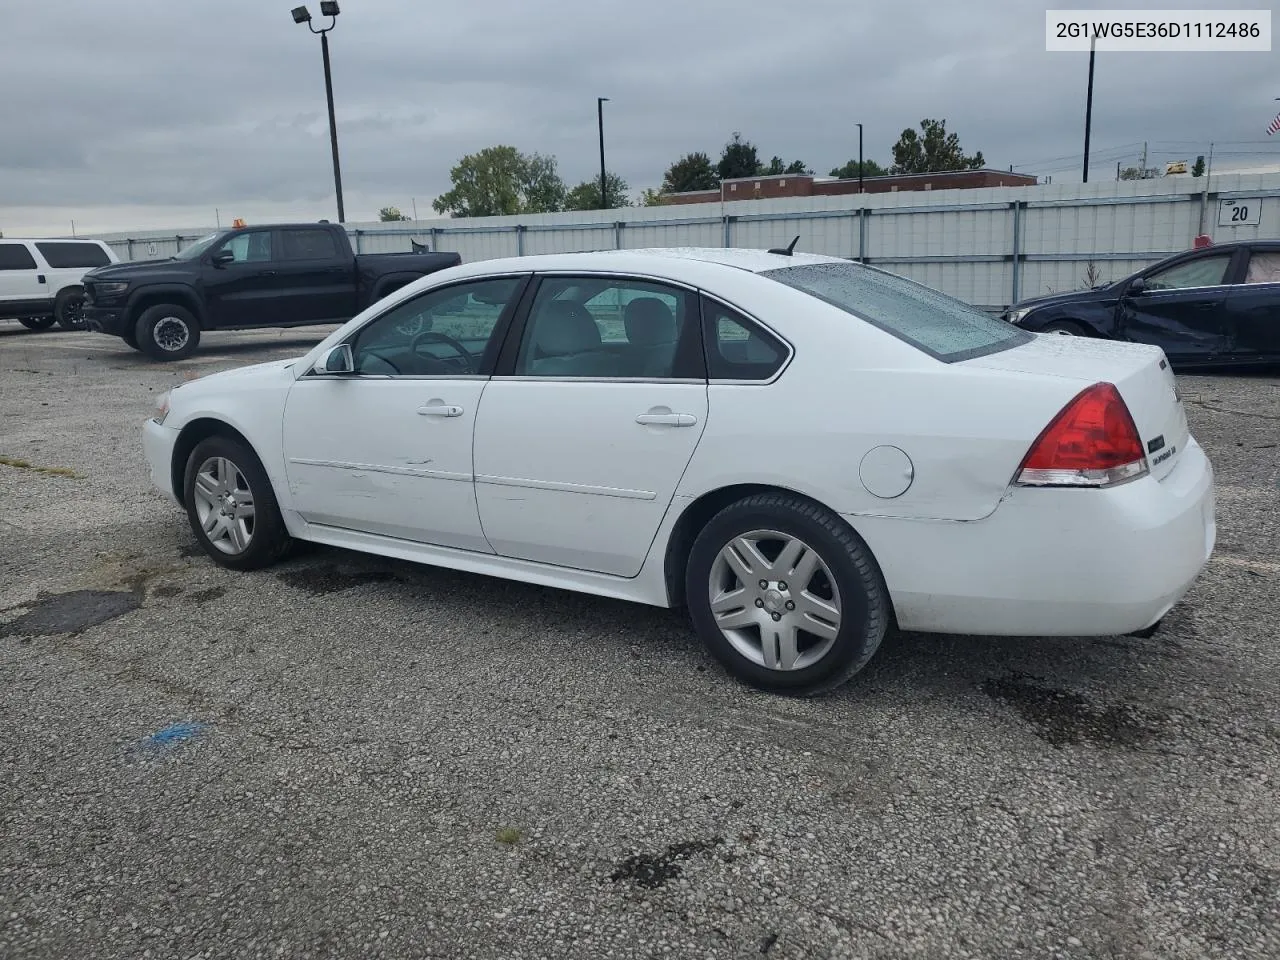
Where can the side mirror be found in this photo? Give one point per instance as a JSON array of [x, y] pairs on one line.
[[338, 360], [1138, 286], [223, 257]]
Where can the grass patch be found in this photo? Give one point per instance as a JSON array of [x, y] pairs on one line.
[[509, 836], [19, 464]]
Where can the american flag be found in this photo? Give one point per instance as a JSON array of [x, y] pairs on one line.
[[1274, 126]]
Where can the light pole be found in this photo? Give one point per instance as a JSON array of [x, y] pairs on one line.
[[329, 8], [604, 197], [1088, 108], [859, 158]]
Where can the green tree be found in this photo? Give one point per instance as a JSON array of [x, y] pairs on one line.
[[1197, 169], [502, 181], [777, 166], [1130, 173], [586, 195], [932, 150], [652, 198], [869, 169], [691, 172], [391, 214], [739, 159]]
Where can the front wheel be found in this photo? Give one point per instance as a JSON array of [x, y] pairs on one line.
[[786, 595], [1064, 328], [37, 323], [167, 332], [231, 505], [68, 309]]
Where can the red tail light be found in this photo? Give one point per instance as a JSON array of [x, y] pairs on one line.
[[1092, 443]]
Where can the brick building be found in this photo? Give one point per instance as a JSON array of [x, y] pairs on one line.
[[808, 185]]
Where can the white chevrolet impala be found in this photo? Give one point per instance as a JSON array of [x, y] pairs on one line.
[[803, 451]]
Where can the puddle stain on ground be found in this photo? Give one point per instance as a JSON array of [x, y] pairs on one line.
[[167, 590], [654, 870], [1062, 718], [72, 612], [331, 578], [205, 596]]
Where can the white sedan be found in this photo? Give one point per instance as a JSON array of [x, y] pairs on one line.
[[801, 450]]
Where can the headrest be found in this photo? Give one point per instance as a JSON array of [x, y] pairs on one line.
[[649, 322], [563, 328]]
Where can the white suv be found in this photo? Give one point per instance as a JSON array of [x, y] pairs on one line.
[[40, 279]]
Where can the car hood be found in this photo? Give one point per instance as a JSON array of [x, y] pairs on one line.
[[236, 375], [137, 270], [1074, 296]]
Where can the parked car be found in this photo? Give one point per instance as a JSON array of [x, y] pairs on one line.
[[286, 275], [1215, 306], [40, 280], [800, 449]]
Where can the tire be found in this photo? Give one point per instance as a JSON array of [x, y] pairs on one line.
[[130, 337], [37, 323], [1064, 328], [68, 308], [224, 467], [167, 332], [845, 578]]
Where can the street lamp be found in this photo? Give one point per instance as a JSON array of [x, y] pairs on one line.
[[329, 8], [859, 158], [1088, 107], [604, 199]]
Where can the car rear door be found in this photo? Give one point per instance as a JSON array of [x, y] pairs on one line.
[[1182, 308], [590, 421], [23, 282], [317, 277], [1253, 308]]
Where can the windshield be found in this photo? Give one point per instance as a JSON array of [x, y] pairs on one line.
[[194, 251], [945, 328]]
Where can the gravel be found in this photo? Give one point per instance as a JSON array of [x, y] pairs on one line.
[[347, 756]]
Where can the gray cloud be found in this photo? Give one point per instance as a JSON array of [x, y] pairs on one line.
[[121, 114]]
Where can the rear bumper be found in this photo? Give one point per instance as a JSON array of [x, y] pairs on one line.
[[105, 319], [1053, 562], [157, 445]]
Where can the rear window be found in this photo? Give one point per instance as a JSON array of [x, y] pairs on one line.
[[943, 327], [62, 256], [14, 256]]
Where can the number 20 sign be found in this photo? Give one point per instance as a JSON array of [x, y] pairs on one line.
[[1239, 213]]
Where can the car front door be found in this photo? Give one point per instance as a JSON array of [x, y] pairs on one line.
[[1181, 308], [244, 291], [386, 450], [590, 421], [319, 281], [1253, 308]]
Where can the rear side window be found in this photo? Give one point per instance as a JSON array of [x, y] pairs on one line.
[[15, 256], [945, 328], [307, 245], [67, 255], [738, 348]]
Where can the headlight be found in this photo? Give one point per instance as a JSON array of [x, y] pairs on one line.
[[1015, 316], [111, 289], [162, 408]]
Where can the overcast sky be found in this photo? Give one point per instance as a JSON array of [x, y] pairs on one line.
[[154, 113]]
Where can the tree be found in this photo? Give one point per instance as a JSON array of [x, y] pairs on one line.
[[652, 198], [1197, 169], [586, 195], [502, 181], [391, 214], [691, 172], [738, 159], [1130, 173], [777, 166], [935, 151], [850, 170]]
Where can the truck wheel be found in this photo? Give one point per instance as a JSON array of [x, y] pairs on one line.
[[167, 332], [68, 308], [130, 336], [36, 323]]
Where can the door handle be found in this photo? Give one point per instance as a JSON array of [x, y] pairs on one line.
[[439, 410], [40, 278], [667, 419], [267, 273]]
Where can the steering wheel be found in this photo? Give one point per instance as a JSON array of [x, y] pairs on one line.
[[432, 336]]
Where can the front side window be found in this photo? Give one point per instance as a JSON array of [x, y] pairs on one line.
[[15, 256], [1203, 272], [1264, 268], [63, 256], [945, 328], [252, 247], [610, 327], [440, 333], [307, 245]]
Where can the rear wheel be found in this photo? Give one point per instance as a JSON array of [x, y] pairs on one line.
[[786, 595], [68, 309], [37, 323], [231, 505], [167, 332]]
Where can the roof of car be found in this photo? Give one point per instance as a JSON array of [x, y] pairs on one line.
[[753, 261]]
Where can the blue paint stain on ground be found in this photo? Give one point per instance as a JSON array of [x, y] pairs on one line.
[[170, 737]]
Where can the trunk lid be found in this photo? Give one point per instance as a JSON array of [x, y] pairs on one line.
[[1140, 372]]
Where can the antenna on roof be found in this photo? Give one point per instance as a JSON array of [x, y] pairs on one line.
[[788, 249]]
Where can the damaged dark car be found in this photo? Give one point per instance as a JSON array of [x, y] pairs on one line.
[[1217, 306]]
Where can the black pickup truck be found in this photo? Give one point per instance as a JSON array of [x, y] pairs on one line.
[[283, 275]]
